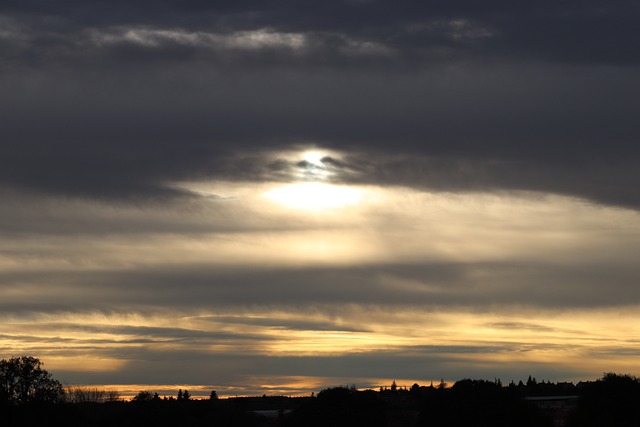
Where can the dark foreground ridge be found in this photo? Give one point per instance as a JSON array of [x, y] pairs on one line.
[[29, 396]]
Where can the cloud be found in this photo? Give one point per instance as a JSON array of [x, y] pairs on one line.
[[117, 104], [193, 287], [394, 248], [496, 29], [226, 370], [509, 139], [526, 326], [493, 145], [287, 324]]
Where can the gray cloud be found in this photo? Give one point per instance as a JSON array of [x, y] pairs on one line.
[[413, 28], [115, 101], [153, 333], [288, 324], [452, 285], [230, 369], [455, 138], [523, 326]]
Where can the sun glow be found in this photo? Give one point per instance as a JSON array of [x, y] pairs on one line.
[[313, 157], [315, 196]]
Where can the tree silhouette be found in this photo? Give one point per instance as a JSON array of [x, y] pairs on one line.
[[86, 394], [22, 380], [341, 406], [143, 396], [609, 401]]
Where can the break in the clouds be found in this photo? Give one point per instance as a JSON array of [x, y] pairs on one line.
[[281, 196]]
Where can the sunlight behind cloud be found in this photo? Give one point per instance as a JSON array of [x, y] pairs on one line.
[[314, 157], [315, 196]]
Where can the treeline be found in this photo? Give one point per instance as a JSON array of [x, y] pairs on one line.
[[29, 396], [613, 400]]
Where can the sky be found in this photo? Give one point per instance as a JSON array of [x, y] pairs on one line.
[[275, 197]]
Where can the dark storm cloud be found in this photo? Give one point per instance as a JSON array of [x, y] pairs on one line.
[[116, 99]]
